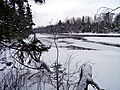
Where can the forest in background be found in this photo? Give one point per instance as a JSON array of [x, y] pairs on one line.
[[106, 22]]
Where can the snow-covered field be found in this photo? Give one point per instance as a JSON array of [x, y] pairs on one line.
[[105, 59]]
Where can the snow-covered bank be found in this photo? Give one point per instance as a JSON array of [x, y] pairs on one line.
[[114, 40], [91, 34], [97, 34]]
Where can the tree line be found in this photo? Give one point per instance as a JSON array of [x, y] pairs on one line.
[[102, 23]]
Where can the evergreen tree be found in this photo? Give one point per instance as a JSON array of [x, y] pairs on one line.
[[117, 23], [15, 18], [15, 25]]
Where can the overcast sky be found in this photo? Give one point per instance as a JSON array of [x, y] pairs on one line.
[[54, 10]]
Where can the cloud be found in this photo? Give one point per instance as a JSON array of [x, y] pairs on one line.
[[60, 9]]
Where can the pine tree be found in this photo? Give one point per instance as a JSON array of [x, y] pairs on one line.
[[116, 23], [15, 25]]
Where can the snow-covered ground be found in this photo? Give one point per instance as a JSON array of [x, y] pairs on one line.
[[105, 60]]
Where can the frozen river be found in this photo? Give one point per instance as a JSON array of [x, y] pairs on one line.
[[105, 59]]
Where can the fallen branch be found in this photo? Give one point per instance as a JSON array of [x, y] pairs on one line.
[[86, 78]]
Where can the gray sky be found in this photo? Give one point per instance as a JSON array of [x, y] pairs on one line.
[[54, 10]]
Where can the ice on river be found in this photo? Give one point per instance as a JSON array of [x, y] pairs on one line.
[[105, 60]]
